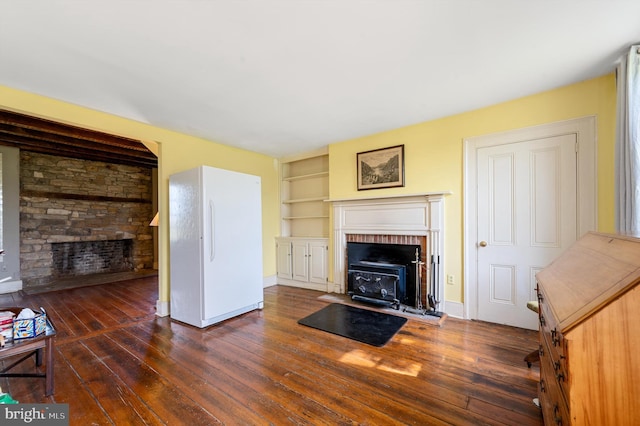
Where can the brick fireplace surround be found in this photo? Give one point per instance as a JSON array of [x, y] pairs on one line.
[[414, 219]]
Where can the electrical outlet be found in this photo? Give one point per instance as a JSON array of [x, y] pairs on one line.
[[450, 279]]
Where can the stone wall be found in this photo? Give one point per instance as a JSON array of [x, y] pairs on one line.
[[67, 200]]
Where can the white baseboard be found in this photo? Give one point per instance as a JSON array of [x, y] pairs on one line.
[[269, 281], [10, 286], [302, 284], [162, 308], [454, 309], [333, 288]]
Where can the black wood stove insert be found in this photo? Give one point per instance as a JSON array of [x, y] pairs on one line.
[[383, 274], [379, 283]]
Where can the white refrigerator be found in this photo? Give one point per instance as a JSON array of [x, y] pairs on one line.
[[215, 219]]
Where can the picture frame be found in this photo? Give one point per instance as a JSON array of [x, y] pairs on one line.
[[381, 168]]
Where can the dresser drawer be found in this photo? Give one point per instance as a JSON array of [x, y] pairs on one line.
[[554, 347], [553, 401], [549, 328]]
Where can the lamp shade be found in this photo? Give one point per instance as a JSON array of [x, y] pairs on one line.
[[154, 221]]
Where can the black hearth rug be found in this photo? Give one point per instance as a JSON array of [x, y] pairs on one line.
[[364, 325]]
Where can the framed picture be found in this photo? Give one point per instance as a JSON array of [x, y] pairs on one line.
[[381, 168]]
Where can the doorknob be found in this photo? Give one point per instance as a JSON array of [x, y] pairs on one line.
[[483, 243]]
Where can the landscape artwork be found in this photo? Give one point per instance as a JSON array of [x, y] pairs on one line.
[[381, 168]]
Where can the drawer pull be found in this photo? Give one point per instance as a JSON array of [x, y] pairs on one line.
[[541, 320], [556, 415], [560, 377], [556, 366], [554, 337], [542, 386], [540, 350]]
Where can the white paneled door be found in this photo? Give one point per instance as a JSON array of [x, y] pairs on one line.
[[526, 217]]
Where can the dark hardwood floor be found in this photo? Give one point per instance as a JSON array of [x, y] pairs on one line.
[[117, 363]]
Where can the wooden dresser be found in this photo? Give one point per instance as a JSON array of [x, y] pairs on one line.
[[589, 301]]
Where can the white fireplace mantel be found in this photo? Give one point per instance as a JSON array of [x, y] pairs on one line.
[[390, 197], [417, 214]]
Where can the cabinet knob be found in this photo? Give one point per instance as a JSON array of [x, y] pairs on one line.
[[482, 243]]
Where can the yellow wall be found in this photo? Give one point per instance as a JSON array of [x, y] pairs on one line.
[[434, 155], [176, 152]]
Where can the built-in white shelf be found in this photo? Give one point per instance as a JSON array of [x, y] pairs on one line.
[[304, 217], [307, 176], [304, 193], [305, 200]]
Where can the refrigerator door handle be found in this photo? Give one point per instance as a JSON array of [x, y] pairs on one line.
[[212, 253]]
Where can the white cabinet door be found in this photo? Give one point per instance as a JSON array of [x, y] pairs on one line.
[[300, 260], [284, 259], [317, 262]]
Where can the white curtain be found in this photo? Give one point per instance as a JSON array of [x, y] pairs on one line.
[[628, 143]]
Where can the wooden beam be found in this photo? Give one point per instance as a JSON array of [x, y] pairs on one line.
[[48, 137]]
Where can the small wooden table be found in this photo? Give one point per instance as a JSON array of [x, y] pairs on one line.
[[28, 347]]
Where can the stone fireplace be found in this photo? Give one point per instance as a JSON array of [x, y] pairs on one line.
[[80, 217], [416, 221]]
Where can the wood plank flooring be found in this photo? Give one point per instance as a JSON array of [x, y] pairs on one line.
[[117, 363]]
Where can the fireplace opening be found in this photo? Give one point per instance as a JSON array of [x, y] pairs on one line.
[[384, 274], [92, 257]]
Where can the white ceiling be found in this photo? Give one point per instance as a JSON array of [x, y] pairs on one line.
[[284, 77]]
